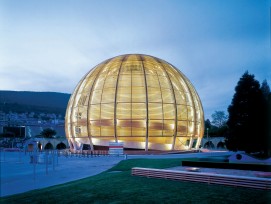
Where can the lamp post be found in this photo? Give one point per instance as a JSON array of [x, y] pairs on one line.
[[208, 138]]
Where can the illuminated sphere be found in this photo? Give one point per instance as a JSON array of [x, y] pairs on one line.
[[139, 100]]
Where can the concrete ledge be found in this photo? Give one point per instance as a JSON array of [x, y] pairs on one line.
[[238, 181], [224, 165]]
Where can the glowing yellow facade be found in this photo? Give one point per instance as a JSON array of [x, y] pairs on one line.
[[137, 99]]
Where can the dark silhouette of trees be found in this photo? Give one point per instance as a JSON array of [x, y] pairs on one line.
[[267, 122], [219, 119], [265, 89], [48, 133], [207, 124], [247, 117], [218, 127], [268, 129]]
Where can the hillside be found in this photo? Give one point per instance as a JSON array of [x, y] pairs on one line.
[[27, 101]]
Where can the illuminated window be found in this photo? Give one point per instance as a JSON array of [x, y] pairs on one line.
[[140, 100]]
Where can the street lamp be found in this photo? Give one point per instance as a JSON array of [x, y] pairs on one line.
[[208, 138]]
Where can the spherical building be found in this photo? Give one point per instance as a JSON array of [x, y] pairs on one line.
[[139, 100]]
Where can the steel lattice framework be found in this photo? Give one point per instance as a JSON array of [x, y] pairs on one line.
[[137, 99]]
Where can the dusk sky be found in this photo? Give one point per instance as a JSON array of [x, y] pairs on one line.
[[48, 45]]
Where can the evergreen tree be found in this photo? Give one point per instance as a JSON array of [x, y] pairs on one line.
[[247, 116], [267, 122], [268, 128], [207, 127], [207, 124], [220, 128], [265, 89]]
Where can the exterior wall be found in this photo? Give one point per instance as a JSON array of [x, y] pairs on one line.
[[140, 100], [45, 141], [214, 140]]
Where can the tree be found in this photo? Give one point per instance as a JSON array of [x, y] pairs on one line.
[[265, 89], [267, 118], [246, 116], [218, 126], [268, 127], [219, 119], [207, 124], [48, 133]]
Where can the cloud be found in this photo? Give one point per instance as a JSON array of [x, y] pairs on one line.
[[51, 45]]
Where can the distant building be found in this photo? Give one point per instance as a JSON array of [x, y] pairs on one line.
[[42, 144], [213, 143], [14, 132]]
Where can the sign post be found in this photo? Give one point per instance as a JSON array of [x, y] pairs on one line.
[[116, 148]]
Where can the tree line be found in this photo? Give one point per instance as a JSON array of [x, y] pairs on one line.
[[247, 127]]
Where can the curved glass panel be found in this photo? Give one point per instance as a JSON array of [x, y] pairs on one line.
[[137, 99]]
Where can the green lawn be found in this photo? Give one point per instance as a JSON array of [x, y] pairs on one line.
[[118, 186]]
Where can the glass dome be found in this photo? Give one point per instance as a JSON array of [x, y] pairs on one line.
[[139, 100]]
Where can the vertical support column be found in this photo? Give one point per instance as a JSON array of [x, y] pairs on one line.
[[175, 105], [115, 101], [68, 124], [191, 92], [191, 143], [71, 106], [89, 98], [147, 107], [198, 143], [201, 120]]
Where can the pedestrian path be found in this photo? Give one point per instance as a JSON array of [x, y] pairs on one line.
[[18, 175]]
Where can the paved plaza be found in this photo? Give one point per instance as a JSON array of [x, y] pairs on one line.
[[18, 175]]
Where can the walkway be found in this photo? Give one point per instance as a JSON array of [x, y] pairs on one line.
[[17, 174]]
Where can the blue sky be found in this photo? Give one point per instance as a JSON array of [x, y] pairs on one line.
[[48, 45]]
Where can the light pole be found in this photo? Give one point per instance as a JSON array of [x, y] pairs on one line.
[[208, 138]]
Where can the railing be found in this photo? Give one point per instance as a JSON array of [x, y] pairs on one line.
[[240, 181], [84, 153]]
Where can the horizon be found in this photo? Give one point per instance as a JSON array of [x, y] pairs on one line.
[[48, 46]]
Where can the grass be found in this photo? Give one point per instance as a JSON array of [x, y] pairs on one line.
[[118, 186]]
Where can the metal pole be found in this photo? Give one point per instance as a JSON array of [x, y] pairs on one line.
[[4, 155], [46, 158], [20, 157], [34, 168], [53, 154], [208, 138], [57, 157], [34, 155]]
